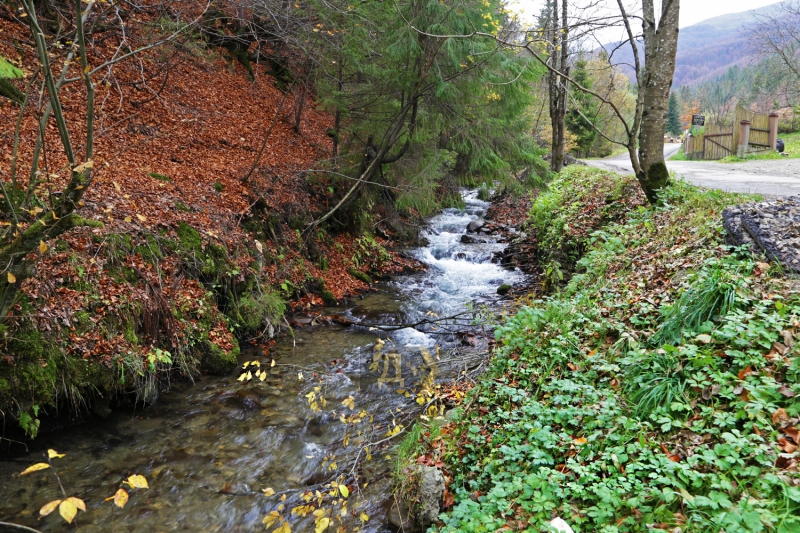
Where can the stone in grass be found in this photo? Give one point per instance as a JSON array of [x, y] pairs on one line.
[[503, 289], [560, 525]]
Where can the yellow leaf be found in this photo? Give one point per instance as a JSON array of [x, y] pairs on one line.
[[256, 363], [84, 166], [246, 364], [86, 70], [128, 219], [77, 502], [116, 186], [42, 247], [344, 491], [49, 507], [141, 217], [349, 402], [284, 528], [322, 525], [68, 510], [364, 517], [121, 498], [249, 375], [263, 375], [35, 468], [300, 376], [137, 482], [12, 278], [273, 363], [268, 491], [55, 217], [241, 378], [53, 454]]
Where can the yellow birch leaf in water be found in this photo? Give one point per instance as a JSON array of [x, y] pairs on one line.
[[42, 247], [268, 491], [322, 525], [263, 375], [256, 363], [137, 481], [283, 528], [121, 498], [49, 507], [77, 502], [364, 517], [349, 402], [12, 278], [35, 468], [249, 375], [300, 376], [270, 518], [246, 364], [273, 363], [344, 491], [68, 510], [54, 454], [241, 378]]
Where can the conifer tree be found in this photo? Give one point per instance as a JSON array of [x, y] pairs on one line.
[[674, 115]]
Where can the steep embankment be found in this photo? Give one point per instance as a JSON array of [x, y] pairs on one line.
[[656, 390], [190, 256]]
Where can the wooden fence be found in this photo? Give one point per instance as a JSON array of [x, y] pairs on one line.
[[718, 141]]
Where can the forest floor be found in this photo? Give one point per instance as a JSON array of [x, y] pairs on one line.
[[654, 389]]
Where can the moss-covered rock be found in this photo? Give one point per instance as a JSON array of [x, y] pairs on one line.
[[218, 361]]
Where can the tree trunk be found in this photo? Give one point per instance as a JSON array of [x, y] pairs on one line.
[[557, 84], [660, 47]]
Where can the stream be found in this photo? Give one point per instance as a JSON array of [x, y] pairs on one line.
[[207, 450]]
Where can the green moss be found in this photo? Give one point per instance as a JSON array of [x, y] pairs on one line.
[[180, 206], [218, 361], [328, 298], [218, 186], [360, 276], [159, 177], [254, 309], [189, 237]]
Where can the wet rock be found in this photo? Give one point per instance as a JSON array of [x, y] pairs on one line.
[[467, 239], [431, 489], [503, 289], [475, 225], [399, 517], [101, 407]]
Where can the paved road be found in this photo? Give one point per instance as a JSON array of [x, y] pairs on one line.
[[778, 177]]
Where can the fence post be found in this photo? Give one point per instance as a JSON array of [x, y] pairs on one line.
[[744, 138], [773, 130]]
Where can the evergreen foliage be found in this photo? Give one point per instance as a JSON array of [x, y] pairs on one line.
[[582, 106], [674, 116]]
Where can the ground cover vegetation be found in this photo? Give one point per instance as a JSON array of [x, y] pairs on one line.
[[181, 174], [654, 389]]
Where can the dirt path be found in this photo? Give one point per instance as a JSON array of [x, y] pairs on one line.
[[780, 177]]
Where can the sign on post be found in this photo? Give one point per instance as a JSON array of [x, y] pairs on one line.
[[698, 120]]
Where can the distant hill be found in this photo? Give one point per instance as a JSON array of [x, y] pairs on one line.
[[707, 49]]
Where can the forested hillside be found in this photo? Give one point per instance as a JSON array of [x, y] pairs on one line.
[[709, 48]]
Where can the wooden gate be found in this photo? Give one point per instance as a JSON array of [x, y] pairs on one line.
[[718, 141], [759, 129]]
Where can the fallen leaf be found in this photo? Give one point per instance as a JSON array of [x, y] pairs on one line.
[[12, 278], [52, 454], [322, 525], [49, 507], [34, 468], [121, 498], [780, 417], [68, 510], [42, 247], [137, 481], [77, 502], [268, 491]]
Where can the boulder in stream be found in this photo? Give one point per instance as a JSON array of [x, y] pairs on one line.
[[503, 289], [475, 225]]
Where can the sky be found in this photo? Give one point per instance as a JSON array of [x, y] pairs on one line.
[[695, 11], [692, 11]]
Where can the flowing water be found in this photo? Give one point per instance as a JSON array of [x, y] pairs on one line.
[[208, 450]]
